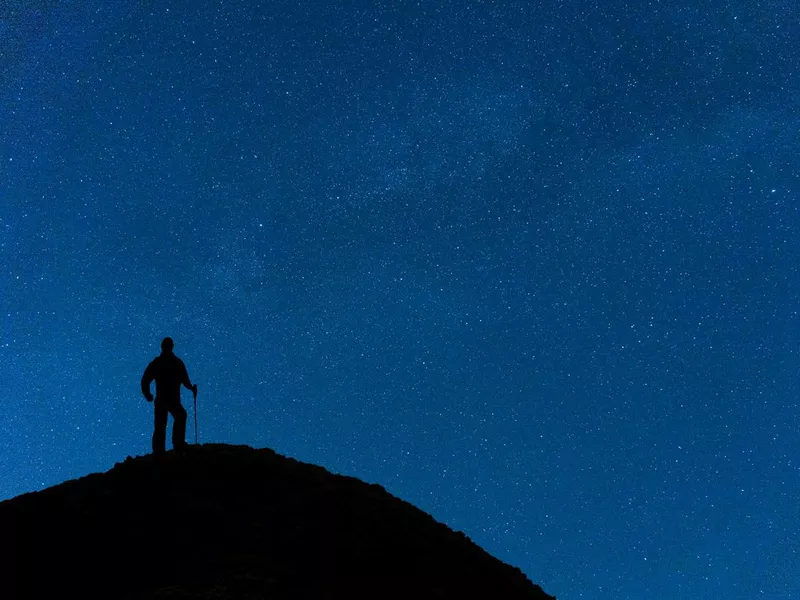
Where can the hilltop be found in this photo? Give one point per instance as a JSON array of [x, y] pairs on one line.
[[219, 521]]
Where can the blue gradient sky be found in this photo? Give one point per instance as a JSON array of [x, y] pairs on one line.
[[532, 266]]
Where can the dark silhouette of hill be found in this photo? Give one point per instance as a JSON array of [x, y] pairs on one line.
[[231, 522]]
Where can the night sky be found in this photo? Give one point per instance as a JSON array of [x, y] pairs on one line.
[[531, 266]]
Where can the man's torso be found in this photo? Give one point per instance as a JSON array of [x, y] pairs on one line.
[[169, 372]]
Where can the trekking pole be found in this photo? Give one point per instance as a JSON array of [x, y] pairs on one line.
[[194, 393]]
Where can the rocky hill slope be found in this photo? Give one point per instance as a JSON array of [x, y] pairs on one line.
[[232, 522]]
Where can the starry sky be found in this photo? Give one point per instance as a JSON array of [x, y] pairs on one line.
[[531, 266]]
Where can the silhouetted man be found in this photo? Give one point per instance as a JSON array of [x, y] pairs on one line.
[[169, 372]]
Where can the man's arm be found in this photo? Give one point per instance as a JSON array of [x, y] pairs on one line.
[[185, 379], [147, 379]]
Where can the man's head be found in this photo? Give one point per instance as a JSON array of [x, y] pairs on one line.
[[167, 344]]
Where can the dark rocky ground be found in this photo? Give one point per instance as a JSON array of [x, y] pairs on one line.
[[220, 522]]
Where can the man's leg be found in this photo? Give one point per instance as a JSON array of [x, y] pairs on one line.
[[160, 430], [178, 425]]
